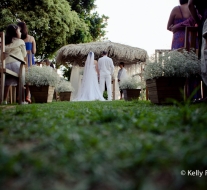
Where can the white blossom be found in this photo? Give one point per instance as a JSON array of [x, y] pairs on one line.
[[131, 83], [173, 64], [41, 76], [64, 86]]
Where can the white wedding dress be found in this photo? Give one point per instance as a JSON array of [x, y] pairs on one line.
[[89, 89]]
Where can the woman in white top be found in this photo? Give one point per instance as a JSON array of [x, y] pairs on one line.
[[89, 89], [13, 45]]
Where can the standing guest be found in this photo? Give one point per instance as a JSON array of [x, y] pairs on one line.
[[179, 14], [106, 70], [122, 73], [13, 45], [31, 50], [48, 63], [51, 65], [181, 17], [201, 6]]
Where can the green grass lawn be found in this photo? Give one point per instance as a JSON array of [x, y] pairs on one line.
[[114, 145]]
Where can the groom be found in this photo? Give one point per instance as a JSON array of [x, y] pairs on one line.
[[106, 69]]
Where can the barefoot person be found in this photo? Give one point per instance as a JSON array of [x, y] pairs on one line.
[[106, 69]]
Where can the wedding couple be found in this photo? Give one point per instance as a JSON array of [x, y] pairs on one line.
[[89, 89]]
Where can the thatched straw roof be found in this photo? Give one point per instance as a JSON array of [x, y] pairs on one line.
[[77, 53]]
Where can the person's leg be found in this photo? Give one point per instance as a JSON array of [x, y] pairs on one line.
[[121, 93], [102, 84], [27, 99], [108, 85]]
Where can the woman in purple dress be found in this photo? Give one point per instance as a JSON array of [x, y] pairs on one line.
[[179, 14], [181, 17], [31, 50]]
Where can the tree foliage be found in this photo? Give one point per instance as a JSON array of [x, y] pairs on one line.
[[53, 23], [82, 7], [94, 21], [67, 72]]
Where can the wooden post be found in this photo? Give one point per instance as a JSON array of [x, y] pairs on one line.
[[2, 67], [21, 82], [113, 88]]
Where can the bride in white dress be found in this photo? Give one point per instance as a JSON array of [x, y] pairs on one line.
[[89, 89]]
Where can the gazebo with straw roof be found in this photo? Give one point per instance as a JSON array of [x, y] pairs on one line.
[[76, 54]]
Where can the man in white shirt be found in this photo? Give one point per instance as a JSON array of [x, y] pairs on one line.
[[106, 69], [122, 74]]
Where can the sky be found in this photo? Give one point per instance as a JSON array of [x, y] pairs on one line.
[[138, 23]]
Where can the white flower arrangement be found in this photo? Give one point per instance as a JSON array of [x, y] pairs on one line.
[[173, 64], [64, 86], [131, 83], [41, 76]]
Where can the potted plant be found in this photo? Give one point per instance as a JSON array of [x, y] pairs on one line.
[[64, 89], [131, 88], [42, 82], [166, 76]]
